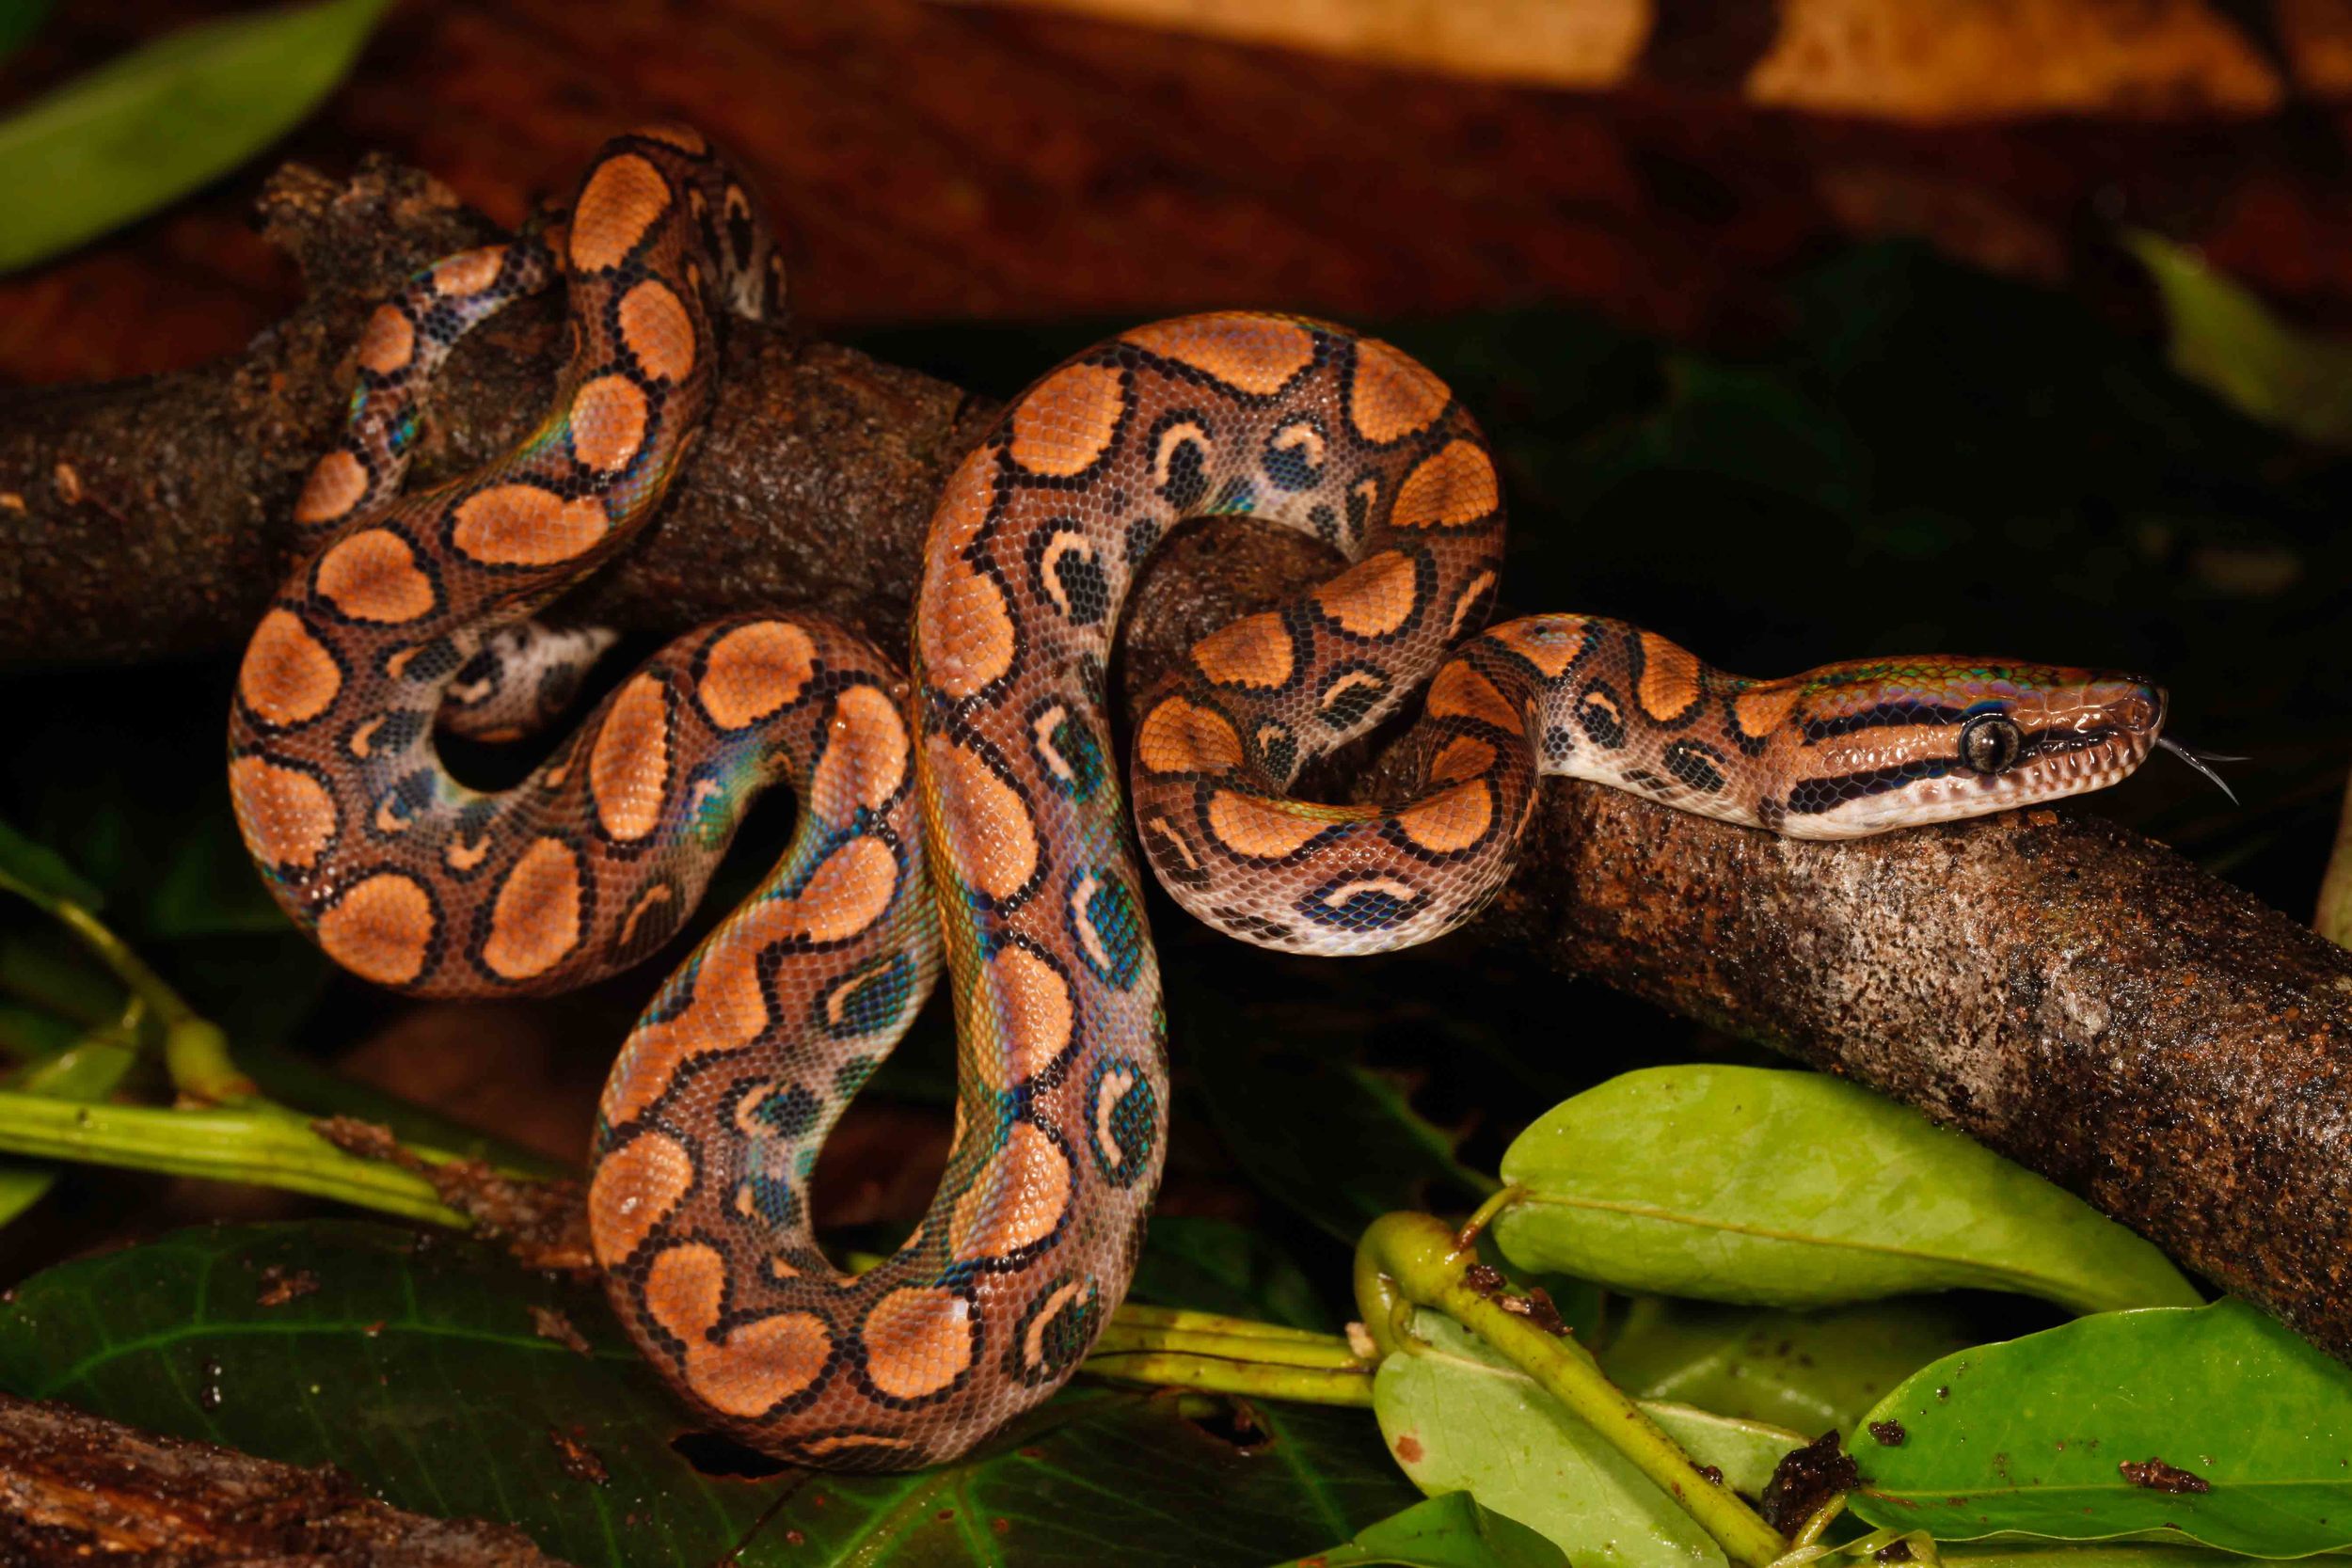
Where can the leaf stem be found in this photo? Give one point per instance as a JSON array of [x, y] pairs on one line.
[[1350, 1386], [1143, 1314], [196, 1050], [1484, 1215], [1325, 1352], [269, 1145], [1407, 1260], [265, 1144]]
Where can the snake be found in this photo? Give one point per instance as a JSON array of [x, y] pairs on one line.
[[965, 814]]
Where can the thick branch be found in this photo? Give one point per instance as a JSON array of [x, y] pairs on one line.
[[153, 517], [75, 1489], [2076, 996], [2082, 999]]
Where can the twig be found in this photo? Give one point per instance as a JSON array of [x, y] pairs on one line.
[[1407, 1260]]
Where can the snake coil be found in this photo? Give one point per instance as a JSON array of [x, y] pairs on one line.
[[971, 811]]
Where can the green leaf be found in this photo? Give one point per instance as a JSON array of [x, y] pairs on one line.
[[415, 1363], [2011, 1552], [2032, 1435], [1458, 1418], [1448, 1531], [145, 129], [19, 21], [1880, 1547], [1364, 1152], [1793, 1189], [1214, 1265], [1808, 1371], [2224, 339], [32, 1034], [207, 885], [38, 872]]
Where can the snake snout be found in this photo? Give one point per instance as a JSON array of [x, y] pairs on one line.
[[2137, 706], [2114, 707]]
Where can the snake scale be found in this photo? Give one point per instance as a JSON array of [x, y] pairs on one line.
[[969, 811]]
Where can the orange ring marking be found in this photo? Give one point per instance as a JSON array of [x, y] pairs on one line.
[[535, 921], [1179, 737], [373, 575], [1453, 486], [381, 930], [288, 676], [655, 328], [336, 484], [986, 818], [1254, 651], [608, 422], [917, 1340], [1066, 421], [636, 1187], [629, 767], [1393, 396], [1257, 355], [289, 817], [1016, 1203], [388, 342], [622, 201], [754, 670], [524, 525], [1373, 598]]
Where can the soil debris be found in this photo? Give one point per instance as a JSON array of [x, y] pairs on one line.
[[1806, 1478], [2156, 1476]]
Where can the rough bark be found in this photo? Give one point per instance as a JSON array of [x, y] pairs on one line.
[[75, 1489], [2084, 1000], [2078, 997], [153, 517]]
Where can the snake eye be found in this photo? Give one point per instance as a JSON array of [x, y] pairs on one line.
[[1990, 743]]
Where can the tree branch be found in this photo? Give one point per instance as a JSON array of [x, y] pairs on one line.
[[2079, 998], [75, 1489]]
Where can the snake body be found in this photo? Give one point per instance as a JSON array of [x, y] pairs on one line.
[[970, 812]]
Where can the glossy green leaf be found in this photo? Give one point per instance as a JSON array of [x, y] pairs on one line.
[[160, 122], [1458, 1418], [2223, 338], [1214, 1265], [1447, 1531], [2034, 1435], [1793, 1189], [1880, 1548], [1809, 1371], [2012, 1552], [1362, 1152], [416, 1365], [39, 873], [31, 1034], [207, 885], [19, 21]]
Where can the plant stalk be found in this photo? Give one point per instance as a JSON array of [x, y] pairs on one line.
[[1214, 1374], [266, 1145], [1407, 1260]]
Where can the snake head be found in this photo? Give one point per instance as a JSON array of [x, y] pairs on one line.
[[1894, 744]]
